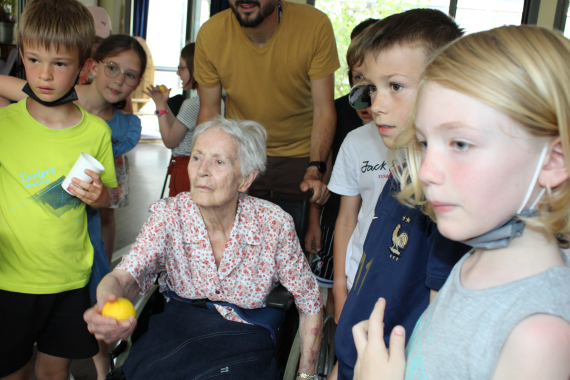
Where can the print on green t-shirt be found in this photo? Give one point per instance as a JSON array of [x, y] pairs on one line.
[[56, 200], [53, 199]]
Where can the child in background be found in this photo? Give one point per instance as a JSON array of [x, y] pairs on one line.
[[116, 53], [358, 176], [46, 259], [319, 238], [493, 170], [177, 128], [119, 62], [404, 258], [105, 97]]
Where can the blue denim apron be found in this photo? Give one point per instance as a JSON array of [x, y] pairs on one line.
[[189, 342]]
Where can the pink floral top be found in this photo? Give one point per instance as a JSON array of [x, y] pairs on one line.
[[262, 251]]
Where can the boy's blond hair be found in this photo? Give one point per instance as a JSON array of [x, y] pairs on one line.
[[55, 23], [522, 71], [427, 28]]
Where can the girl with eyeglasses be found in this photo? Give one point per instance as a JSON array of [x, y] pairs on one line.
[[177, 122], [119, 62]]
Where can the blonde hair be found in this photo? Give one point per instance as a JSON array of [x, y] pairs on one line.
[[55, 23], [522, 71]]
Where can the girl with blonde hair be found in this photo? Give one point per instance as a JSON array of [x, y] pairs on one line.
[[488, 158]]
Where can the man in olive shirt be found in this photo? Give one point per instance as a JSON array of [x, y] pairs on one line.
[[276, 61]]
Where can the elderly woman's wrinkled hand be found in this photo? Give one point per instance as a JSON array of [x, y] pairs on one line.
[[107, 329], [375, 361]]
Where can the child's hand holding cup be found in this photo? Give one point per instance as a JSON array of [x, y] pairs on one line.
[[85, 161]]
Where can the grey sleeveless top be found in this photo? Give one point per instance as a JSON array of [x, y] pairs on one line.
[[460, 334]]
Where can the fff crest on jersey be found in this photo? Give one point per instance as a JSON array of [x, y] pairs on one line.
[[399, 240]]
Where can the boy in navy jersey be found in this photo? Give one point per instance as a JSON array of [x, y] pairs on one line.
[[405, 259]]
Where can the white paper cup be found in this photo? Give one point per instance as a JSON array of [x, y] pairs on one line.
[[85, 161]]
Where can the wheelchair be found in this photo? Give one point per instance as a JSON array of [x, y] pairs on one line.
[[288, 346]]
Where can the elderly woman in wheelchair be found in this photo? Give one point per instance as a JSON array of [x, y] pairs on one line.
[[218, 254]]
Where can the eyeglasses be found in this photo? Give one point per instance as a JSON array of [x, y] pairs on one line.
[[112, 70], [359, 96]]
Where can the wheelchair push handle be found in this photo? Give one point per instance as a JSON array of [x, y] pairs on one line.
[[308, 195], [318, 195]]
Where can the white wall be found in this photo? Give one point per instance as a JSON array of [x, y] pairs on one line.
[[547, 13], [113, 8], [88, 3]]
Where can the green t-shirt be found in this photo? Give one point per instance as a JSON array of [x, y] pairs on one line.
[[44, 245]]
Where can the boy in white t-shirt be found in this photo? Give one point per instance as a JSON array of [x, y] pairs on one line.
[[319, 239], [359, 175]]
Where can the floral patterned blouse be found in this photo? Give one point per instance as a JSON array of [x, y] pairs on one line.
[[262, 251]]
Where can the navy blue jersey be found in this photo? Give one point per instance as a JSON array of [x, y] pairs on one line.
[[404, 257]]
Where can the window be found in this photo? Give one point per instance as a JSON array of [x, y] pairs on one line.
[[166, 36], [345, 15], [201, 14], [566, 27], [477, 15]]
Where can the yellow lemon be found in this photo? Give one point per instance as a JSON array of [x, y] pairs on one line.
[[121, 309], [162, 88]]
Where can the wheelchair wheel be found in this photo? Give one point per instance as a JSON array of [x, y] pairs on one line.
[[294, 357], [326, 355]]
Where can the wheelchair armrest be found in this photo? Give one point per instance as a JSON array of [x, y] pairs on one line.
[[114, 353], [280, 298]]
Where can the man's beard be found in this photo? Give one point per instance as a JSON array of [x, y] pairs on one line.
[[262, 14]]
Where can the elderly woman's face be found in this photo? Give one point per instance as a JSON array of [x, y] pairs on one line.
[[214, 170]]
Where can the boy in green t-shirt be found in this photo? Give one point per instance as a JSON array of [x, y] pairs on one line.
[[45, 252]]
